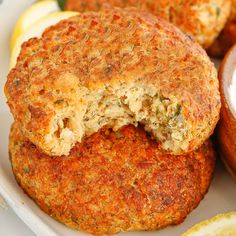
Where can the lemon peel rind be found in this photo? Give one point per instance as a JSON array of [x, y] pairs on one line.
[[49, 6], [216, 219]]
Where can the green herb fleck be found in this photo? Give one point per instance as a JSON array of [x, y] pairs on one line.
[[178, 110], [59, 101], [170, 218], [61, 4], [26, 169], [119, 135], [74, 219], [218, 10], [17, 82]]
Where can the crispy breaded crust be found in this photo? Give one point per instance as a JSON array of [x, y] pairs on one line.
[[227, 37], [202, 19], [67, 84], [113, 181]]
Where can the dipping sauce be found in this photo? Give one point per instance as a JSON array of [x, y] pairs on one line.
[[232, 93]]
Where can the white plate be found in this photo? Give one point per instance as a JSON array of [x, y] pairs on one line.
[[220, 198]]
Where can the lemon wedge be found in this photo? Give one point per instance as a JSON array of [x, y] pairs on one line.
[[220, 225], [32, 14], [36, 30]]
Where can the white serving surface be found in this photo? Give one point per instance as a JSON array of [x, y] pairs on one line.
[[220, 198]]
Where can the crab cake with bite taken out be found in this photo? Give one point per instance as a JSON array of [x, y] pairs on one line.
[[113, 68]]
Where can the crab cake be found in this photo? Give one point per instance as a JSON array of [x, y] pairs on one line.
[[227, 37], [114, 68], [113, 181], [202, 19]]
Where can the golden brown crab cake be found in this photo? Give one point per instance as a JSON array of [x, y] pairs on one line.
[[202, 19], [227, 37], [114, 67], [113, 181]]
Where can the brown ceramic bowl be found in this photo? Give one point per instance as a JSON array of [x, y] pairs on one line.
[[227, 124]]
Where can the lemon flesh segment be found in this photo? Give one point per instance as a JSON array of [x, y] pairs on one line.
[[220, 225], [36, 30], [31, 15]]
